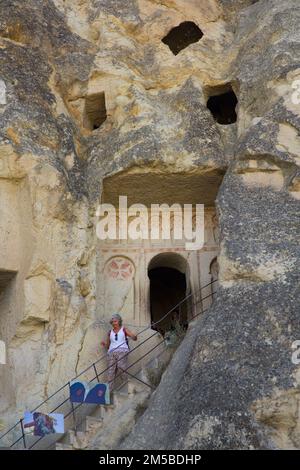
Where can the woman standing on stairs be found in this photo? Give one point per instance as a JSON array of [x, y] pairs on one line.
[[117, 346]]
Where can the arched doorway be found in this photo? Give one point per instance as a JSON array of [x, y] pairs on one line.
[[169, 285]]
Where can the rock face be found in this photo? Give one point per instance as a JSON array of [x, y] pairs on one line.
[[88, 91]]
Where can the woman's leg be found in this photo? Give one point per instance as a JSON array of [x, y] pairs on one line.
[[111, 373], [122, 365]]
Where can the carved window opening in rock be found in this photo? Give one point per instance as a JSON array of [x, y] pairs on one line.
[[5, 278], [94, 111], [6, 296], [222, 105], [168, 286], [182, 36]]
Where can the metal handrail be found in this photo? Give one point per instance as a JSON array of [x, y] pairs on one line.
[[93, 365]]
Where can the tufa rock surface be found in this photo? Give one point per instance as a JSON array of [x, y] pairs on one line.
[[231, 383]]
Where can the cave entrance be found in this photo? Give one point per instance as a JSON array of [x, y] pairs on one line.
[[182, 36], [168, 286], [222, 104], [139, 298]]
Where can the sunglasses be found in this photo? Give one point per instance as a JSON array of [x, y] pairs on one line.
[[116, 336]]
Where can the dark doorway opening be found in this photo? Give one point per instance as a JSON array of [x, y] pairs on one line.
[[167, 289], [182, 36], [222, 106]]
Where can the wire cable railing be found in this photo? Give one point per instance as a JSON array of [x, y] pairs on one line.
[[188, 299]]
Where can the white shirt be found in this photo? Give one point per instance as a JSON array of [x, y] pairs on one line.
[[119, 343]]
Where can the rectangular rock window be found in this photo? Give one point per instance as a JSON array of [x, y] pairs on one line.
[[5, 278], [94, 111], [182, 36], [222, 103], [7, 300]]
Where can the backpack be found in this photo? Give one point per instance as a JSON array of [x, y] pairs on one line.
[[126, 337]]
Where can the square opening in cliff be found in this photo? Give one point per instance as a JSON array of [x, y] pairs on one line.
[[94, 111], [182, 36], [5, 278], [222, 103], [7, 300]]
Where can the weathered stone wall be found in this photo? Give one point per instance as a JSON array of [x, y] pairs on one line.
[[54, 56], [45, 226]]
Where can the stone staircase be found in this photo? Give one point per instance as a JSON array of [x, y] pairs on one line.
[[108, 425]]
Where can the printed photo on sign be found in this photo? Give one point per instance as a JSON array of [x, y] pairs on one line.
[[82, 392], [40, 424]]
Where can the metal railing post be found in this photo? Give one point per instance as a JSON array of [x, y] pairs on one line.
[[95, 370], [23, 433], [201, 300], [73, 409]]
